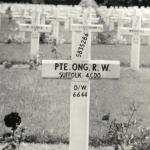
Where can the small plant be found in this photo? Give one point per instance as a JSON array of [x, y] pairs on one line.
[[117, 132], [42, 38], [142, 141], [34, 63], [14, 139], [7, 64], [54, 49], [104, 37]]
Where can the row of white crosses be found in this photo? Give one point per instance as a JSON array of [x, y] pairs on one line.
[[80, 69], [56, 24], [136, 31], [135, 56], [35, 28], [114, 16], [49, 7]]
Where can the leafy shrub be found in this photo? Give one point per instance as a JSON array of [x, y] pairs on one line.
[[7, 64], [142, 140], [117, 132]]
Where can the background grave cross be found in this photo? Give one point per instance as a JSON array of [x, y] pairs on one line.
[[80, 69], [21, 18], [56, 19], [35, 28], [136, 32]]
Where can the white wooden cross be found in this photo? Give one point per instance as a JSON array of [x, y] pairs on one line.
[[35, 28], [20, 17], [120, 20], [136, 32], [121, 23], [80, 69], [112, 21], [71, 15], [56, 19]]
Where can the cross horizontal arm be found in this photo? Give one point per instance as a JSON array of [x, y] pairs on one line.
[[60, 18], [145, 32], [130, 31], [93, 69], [145, 20], [93, 20], [124, 19], [91, 27], [126, 31], [21, 17], [39, 28], [114, 19]]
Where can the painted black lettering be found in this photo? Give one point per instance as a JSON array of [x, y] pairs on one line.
[[83, 87], [105, 67], [94, 67], [56, 66], [61, 75]]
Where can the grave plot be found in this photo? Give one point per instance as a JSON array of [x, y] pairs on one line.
[[24, 90], [81, 69]]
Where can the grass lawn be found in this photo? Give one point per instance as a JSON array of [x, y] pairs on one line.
[[25, 146], [44, 103], [41, 147], [20, 52]]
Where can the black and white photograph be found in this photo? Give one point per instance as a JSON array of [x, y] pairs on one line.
[[74, 75]]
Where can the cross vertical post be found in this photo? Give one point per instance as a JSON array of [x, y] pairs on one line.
[[35, 36], [79, 106], [136, 42]]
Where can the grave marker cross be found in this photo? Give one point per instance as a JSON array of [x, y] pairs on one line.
[[21, 18], [56, 19], [120, 20], [80, 69], [136, 32], [35, 28]]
